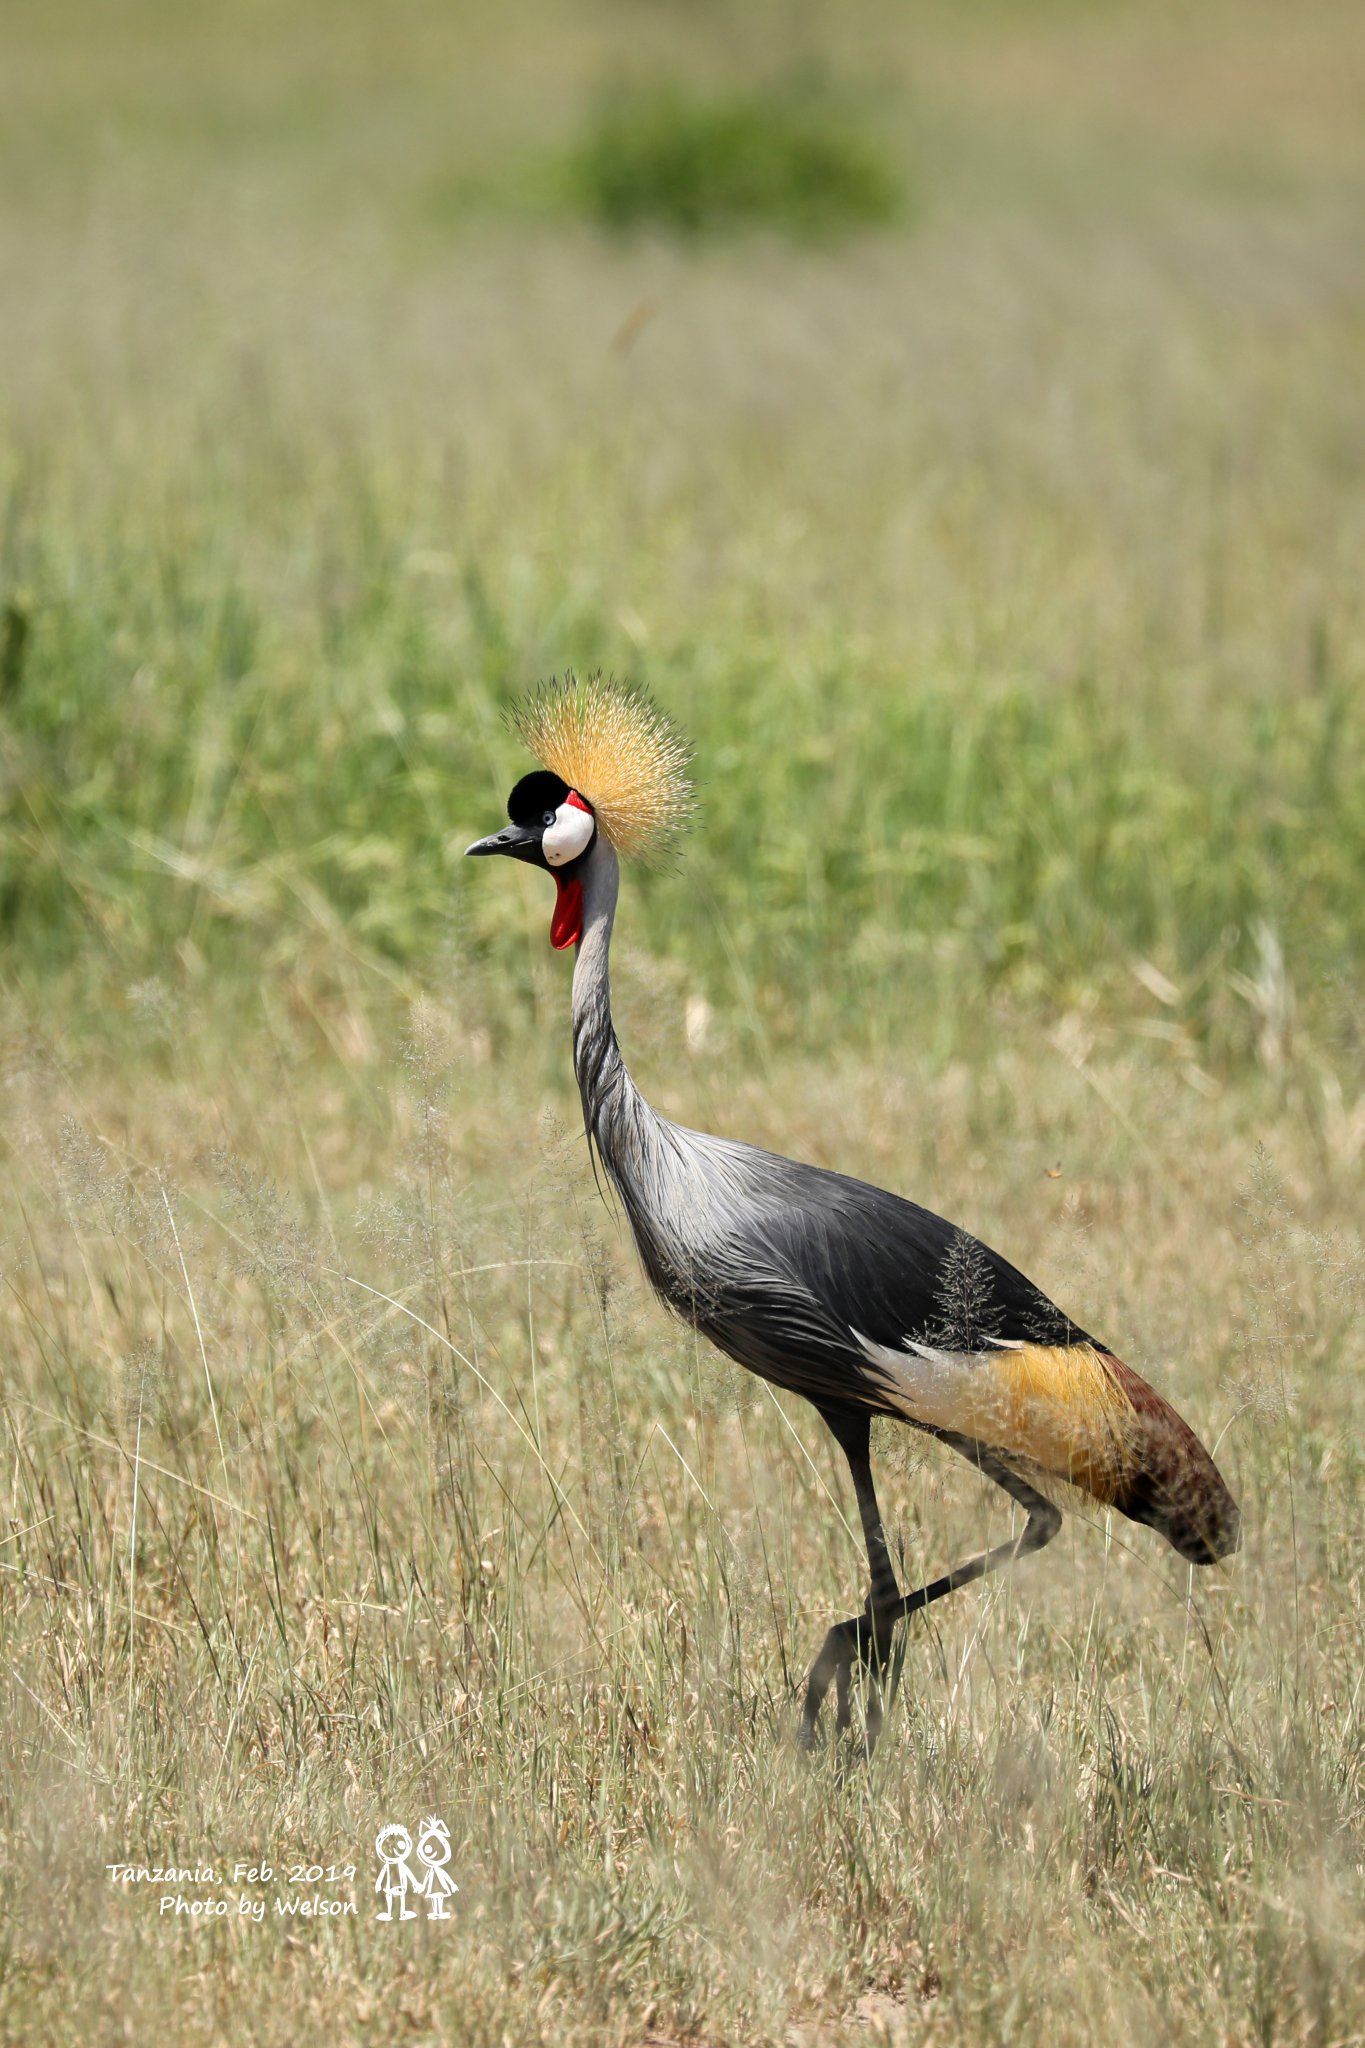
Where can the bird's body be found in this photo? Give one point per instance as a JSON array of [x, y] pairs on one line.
[[860, 1301]]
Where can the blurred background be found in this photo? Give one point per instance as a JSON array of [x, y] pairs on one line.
[[953, 414]]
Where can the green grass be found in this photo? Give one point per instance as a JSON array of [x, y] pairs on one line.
[[188, 768], [1004, 569]]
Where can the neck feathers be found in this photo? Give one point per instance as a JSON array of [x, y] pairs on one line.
[[611, 1101]]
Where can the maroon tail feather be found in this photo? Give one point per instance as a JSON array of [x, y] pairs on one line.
[[1170, 1481]]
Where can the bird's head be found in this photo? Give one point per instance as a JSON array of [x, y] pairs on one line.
[[614, 769], [554, 828]]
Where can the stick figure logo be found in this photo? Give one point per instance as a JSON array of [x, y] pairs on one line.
[[433, 1849], [393, 1846], [397, 1879]]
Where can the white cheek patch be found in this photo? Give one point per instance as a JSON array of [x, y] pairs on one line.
[[569, 835]]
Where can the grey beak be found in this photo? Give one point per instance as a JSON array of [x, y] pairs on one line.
[[513, 839]]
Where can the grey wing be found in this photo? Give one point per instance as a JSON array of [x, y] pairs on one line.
[[794, 1271]]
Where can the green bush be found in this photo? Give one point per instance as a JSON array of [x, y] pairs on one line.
[[778, 157]]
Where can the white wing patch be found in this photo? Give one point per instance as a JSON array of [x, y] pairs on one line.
[[927, 1384]]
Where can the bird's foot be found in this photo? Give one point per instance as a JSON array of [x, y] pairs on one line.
[[856, 1642]]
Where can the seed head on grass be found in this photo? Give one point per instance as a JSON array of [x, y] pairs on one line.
[[143, 1389], [116, 1201], [157, 1007], [272, 1246], [969, 1313], [430, 1055]]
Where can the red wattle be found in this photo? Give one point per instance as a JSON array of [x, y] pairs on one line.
[[568, 918]]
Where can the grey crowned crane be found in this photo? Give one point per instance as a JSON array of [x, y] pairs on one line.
[[864, 1303]]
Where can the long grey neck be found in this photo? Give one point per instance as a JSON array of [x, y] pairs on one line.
[[611, 1101]]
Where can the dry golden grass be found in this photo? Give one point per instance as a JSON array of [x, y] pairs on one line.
[[537, 1565]]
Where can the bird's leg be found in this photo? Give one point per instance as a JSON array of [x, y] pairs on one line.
[[1044, 1520], [867, 1636]]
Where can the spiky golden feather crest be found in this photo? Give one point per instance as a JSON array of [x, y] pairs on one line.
[[612, 743]]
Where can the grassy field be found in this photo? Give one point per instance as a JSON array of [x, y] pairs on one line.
[[1004, 565]]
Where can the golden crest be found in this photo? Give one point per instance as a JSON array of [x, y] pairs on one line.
[[612, 744]]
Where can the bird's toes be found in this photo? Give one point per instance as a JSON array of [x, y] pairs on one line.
[[808, 1740]]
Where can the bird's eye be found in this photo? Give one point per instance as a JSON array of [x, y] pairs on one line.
[[548, 818]]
